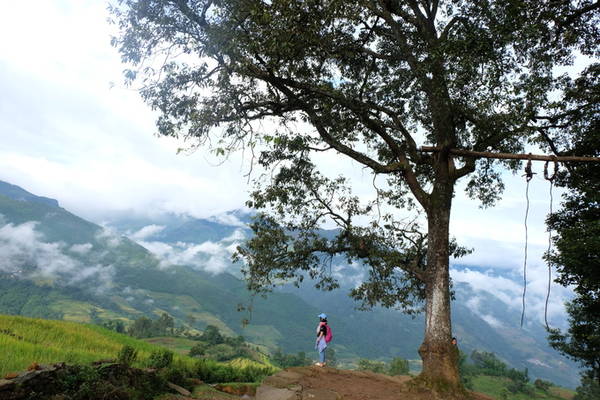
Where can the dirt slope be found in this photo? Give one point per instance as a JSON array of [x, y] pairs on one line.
[[329, 383]]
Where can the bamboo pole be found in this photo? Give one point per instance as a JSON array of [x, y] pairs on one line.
[[511, 156]]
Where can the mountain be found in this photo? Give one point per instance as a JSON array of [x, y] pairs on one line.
[[16, 193], [57, 265]]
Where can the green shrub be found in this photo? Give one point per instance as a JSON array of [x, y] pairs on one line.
[[79, 377], [221, 352], [212, 372], [398, 366], [127, 355], [177, 375], [204, 369], [542, 384], [198, 350], [162, 358], [373, 366]]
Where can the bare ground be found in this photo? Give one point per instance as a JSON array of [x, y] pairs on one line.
[[348, 384], [359, 385]]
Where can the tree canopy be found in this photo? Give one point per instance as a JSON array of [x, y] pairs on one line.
[[576, 254], [368, 80]]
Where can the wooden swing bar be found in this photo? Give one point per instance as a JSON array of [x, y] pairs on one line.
[[510, 156]]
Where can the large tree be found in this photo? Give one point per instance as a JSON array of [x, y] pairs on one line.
[[367, 80], [576, 253]]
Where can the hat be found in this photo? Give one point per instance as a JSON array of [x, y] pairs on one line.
[[324, 316]]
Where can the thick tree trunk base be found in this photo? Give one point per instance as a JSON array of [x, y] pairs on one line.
[[440, 372]]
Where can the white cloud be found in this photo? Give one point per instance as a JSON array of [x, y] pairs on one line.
[[237, 236], [147, 231], [81, 249], [228, 219], [510, 293], [108, 236], [493, 322], [24, 253], [213, 257]]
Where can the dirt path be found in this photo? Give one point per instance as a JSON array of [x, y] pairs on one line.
[[349, 385]]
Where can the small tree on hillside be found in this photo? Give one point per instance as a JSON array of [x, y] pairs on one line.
[[366, 80], [141, 328], [212, 335], [164, 324]]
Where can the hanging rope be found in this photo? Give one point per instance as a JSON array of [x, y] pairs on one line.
[[528, 177], [551, 180]]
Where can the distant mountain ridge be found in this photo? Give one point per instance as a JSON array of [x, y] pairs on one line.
[[16, 193], [120, 279]]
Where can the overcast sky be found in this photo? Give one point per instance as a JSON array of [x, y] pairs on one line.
[[70, 130]]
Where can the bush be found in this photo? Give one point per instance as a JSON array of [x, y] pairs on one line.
[[212, 372], [542, 384], [588, 390], [212, 335], [176, 375], [162, 358], [221, 352], [299, 360], [398, 366], [127, 355], [373, 366], [198, 350]]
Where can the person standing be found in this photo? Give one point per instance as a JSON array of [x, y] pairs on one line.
[[323, 337]]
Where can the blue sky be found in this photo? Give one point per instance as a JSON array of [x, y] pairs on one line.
[[69, 129]]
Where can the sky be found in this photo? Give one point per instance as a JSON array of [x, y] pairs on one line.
[[71, 130]]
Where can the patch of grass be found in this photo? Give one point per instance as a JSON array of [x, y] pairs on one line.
[[176, 344], [26, 340], [497, 387], [562, 393]]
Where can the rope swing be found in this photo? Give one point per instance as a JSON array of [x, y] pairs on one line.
[[528, 177], [549, 178]]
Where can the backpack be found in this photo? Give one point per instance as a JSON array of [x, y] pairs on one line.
[[328, 335]]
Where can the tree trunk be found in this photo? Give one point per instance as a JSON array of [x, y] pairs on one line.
[[440, 357]]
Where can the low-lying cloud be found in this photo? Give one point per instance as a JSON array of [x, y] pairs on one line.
[[510, 293], [213, 257], [147, 231], [25, 254]]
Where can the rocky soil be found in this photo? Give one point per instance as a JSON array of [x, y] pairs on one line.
[[315, 383]]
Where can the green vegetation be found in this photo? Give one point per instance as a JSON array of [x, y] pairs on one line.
[[26, 340], [487, 374], [577, 227], [160, 358], [19, 297], [144, 327], [588, 390], [127, 355], [283, 360], [398, 366], [211, 371], [181, 345], [488, 364], [499, 388]]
